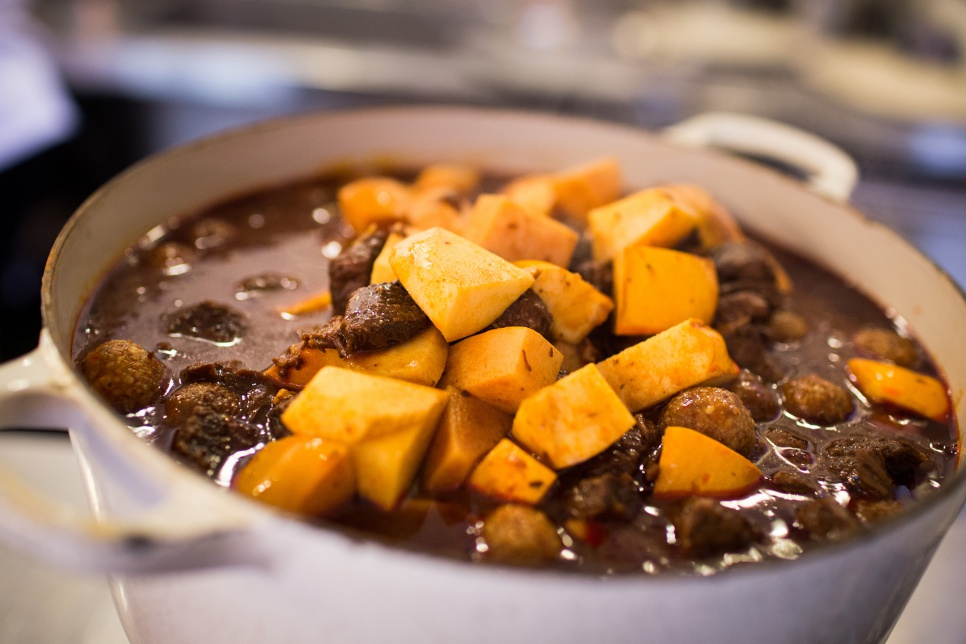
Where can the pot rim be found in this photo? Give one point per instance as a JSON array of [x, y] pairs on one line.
[[953, 485]]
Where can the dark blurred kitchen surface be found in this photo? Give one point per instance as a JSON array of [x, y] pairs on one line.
[[884, 79]]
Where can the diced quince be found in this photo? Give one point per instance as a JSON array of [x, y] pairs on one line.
[[685, 355], [501, 225], [303, 474], [715, 225], [469, 429], [312, 361], [347, 407], [510, 474], [420, 360], [386, 465], [884, 382], [536, 193], [575, 305], [503, 366], [656, 288], [692, 463], [433, 207], [459, 178], [381, 270], [373, 200], [649, 218], [573, 419], [460, 286], [582, 188]]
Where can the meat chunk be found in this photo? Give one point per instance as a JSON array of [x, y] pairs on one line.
[[704, 527], [793, 482], [886, 344], [183, 401], [208, 438], [760, 399], [714, 412], [353, 267], [124, 373], [871, 511], [742, 261], [741, 307], [817, 400], [528, 310], [206, 320], [380, 316], [870, 465], [607, 495], [824, 519], [521, 535]]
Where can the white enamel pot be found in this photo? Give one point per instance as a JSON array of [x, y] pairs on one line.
[[196, 563]]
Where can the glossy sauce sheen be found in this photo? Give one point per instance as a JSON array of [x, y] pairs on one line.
[[288, 232]]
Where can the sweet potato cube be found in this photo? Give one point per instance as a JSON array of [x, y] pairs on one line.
[[373, 200], [381, 270], [884, 382], [575, 305], [685, 355], [460, 286], [508, 473], [387, 465], [347, 407], [469, 429], [536, 193], [503, 366], [312, 361], [514, 232], [459, 178], [585, 187], [573, 419], [656, 288], [648, 218], [692, 463], [420, 360], [303, 474]]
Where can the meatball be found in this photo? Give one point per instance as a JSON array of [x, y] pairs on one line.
[[888, 345], [607, 494], [715, 412], [826, 519], [183, 401], [705, 527], [817, 400], [760, 399], [125, 374], [793, 482], [520, 534], [786, 326]]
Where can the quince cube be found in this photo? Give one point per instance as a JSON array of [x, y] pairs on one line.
[[582, 188], [514, 232], [373, 200], [575, 305], [692, 463], [649, 218], [381, 270], [508, 473], [884, 382], [536, 193], [420, 360]]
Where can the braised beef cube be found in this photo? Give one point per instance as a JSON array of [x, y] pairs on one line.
[[182, 402], [817, 400], [649, 432], [124, 373], [903, 461], [742, 261], [633, 545], [871, 511], [784, 438], [760, 399], [380, 316], [327, 336], [863, 471], [714, 412], [745, 344], [528, 310], [794, 482], [824, 519], [351, 269], [521, 535], [704, 528], [600, 275], [208, 438], [233, 374], [786, 326], [206, 320], [606, 495], [625, 456], [886, 344], [741, 307]]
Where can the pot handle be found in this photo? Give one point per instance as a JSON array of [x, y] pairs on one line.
[[182, 527], [830, 171]]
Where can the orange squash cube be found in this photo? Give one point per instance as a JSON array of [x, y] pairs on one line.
[[692, 463], [514, 232], [510, 474], [884, 382]]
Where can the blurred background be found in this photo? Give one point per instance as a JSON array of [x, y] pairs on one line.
[[87, 87]]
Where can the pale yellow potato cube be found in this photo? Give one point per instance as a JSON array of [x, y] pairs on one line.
[[685, 355], [381, 270], [346, 406], [469, 429], [649, 218], [373, 200], [884, 382], [508, 473], [536, 193], [575, 305], [656, 288], [420, 360], [503, 366], [460, 286], [386, 465], [573, 419], [514, 232], [582, 188]]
